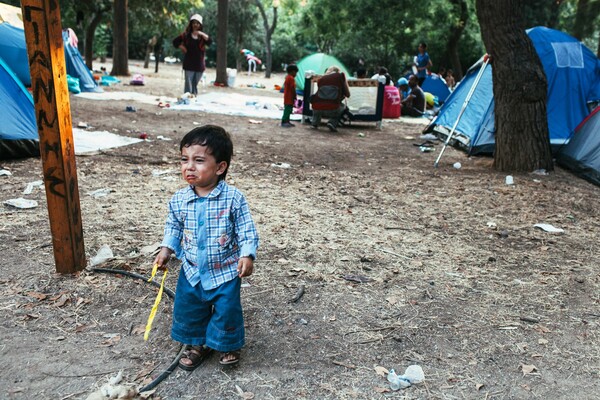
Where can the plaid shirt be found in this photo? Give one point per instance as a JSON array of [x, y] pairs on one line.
[[210, 234]]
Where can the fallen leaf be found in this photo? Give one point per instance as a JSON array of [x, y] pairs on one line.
[[542, 329], [139, 329], [147, 394], [479, 386], [81, 327], [357, 278], [57, 296], [528, 369], [39, 296], [393, 300], [542, 341], [381, 390], [381, 371], [62, 300], [147, 370], [244, 395]]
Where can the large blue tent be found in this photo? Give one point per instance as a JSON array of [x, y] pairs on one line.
[[14, 52], [573, 74], [18, 130]]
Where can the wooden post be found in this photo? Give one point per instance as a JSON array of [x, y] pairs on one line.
[[41, 19]]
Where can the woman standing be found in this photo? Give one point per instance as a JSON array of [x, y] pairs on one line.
[[193, 44]]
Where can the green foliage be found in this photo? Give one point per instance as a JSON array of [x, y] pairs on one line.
[[381, 32], [102, 41]]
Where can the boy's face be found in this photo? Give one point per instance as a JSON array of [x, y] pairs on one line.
[[293, 73], [200, 168]]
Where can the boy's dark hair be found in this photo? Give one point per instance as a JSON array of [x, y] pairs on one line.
[[216, 140], [423, 44], [383, 70], [291, 68]]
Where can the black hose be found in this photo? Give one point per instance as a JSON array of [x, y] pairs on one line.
[[165, 373], [169, 293]]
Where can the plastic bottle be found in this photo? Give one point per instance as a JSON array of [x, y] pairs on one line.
[[509, 180]]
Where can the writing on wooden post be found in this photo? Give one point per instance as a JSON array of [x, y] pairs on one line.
[[41, 19]]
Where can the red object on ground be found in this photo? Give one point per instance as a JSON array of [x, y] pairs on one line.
[[392, 103], [143, 135]]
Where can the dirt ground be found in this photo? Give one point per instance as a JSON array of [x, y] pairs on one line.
[[400, 264]]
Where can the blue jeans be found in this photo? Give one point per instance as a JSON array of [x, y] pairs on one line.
[[191, 81], [208, 317]]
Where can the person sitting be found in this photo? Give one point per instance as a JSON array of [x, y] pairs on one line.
[[328, 100], [414, 104], [403, 87]]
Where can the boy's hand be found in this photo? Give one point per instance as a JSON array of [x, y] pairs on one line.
[[245, 266], [162, 258]]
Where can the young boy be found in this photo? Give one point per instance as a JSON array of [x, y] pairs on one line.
[[289, 95], [209, 228]]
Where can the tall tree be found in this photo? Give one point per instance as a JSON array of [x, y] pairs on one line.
[[223, 12], [268, 33], [120, 38], [520, 87], [456, 31], [97, 13]]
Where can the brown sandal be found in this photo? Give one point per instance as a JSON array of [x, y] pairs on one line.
[[231, 361], [196, 356]]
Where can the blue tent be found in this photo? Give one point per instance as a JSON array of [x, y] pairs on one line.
[[573, 74], [18, 130], [14, 52], [582, 154], [435, 85], [77, 68]]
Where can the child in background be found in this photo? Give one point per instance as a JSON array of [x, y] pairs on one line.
[[209, 228], [289, 95]]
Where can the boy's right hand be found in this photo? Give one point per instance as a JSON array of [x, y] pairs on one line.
[[162, 258]]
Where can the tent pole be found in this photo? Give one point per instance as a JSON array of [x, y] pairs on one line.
[[486, 60]]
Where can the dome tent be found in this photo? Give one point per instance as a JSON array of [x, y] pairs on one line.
[[573, 74], [582, 154], [318, 63], [18, 131]]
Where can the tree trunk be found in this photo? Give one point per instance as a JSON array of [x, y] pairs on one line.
[[150, 49], [223, 11], [120, 39], [520, 89], [581, 19], [90, 31], [454, 37], [268, 34], [554, 14], [239, 41], [158, 49]]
